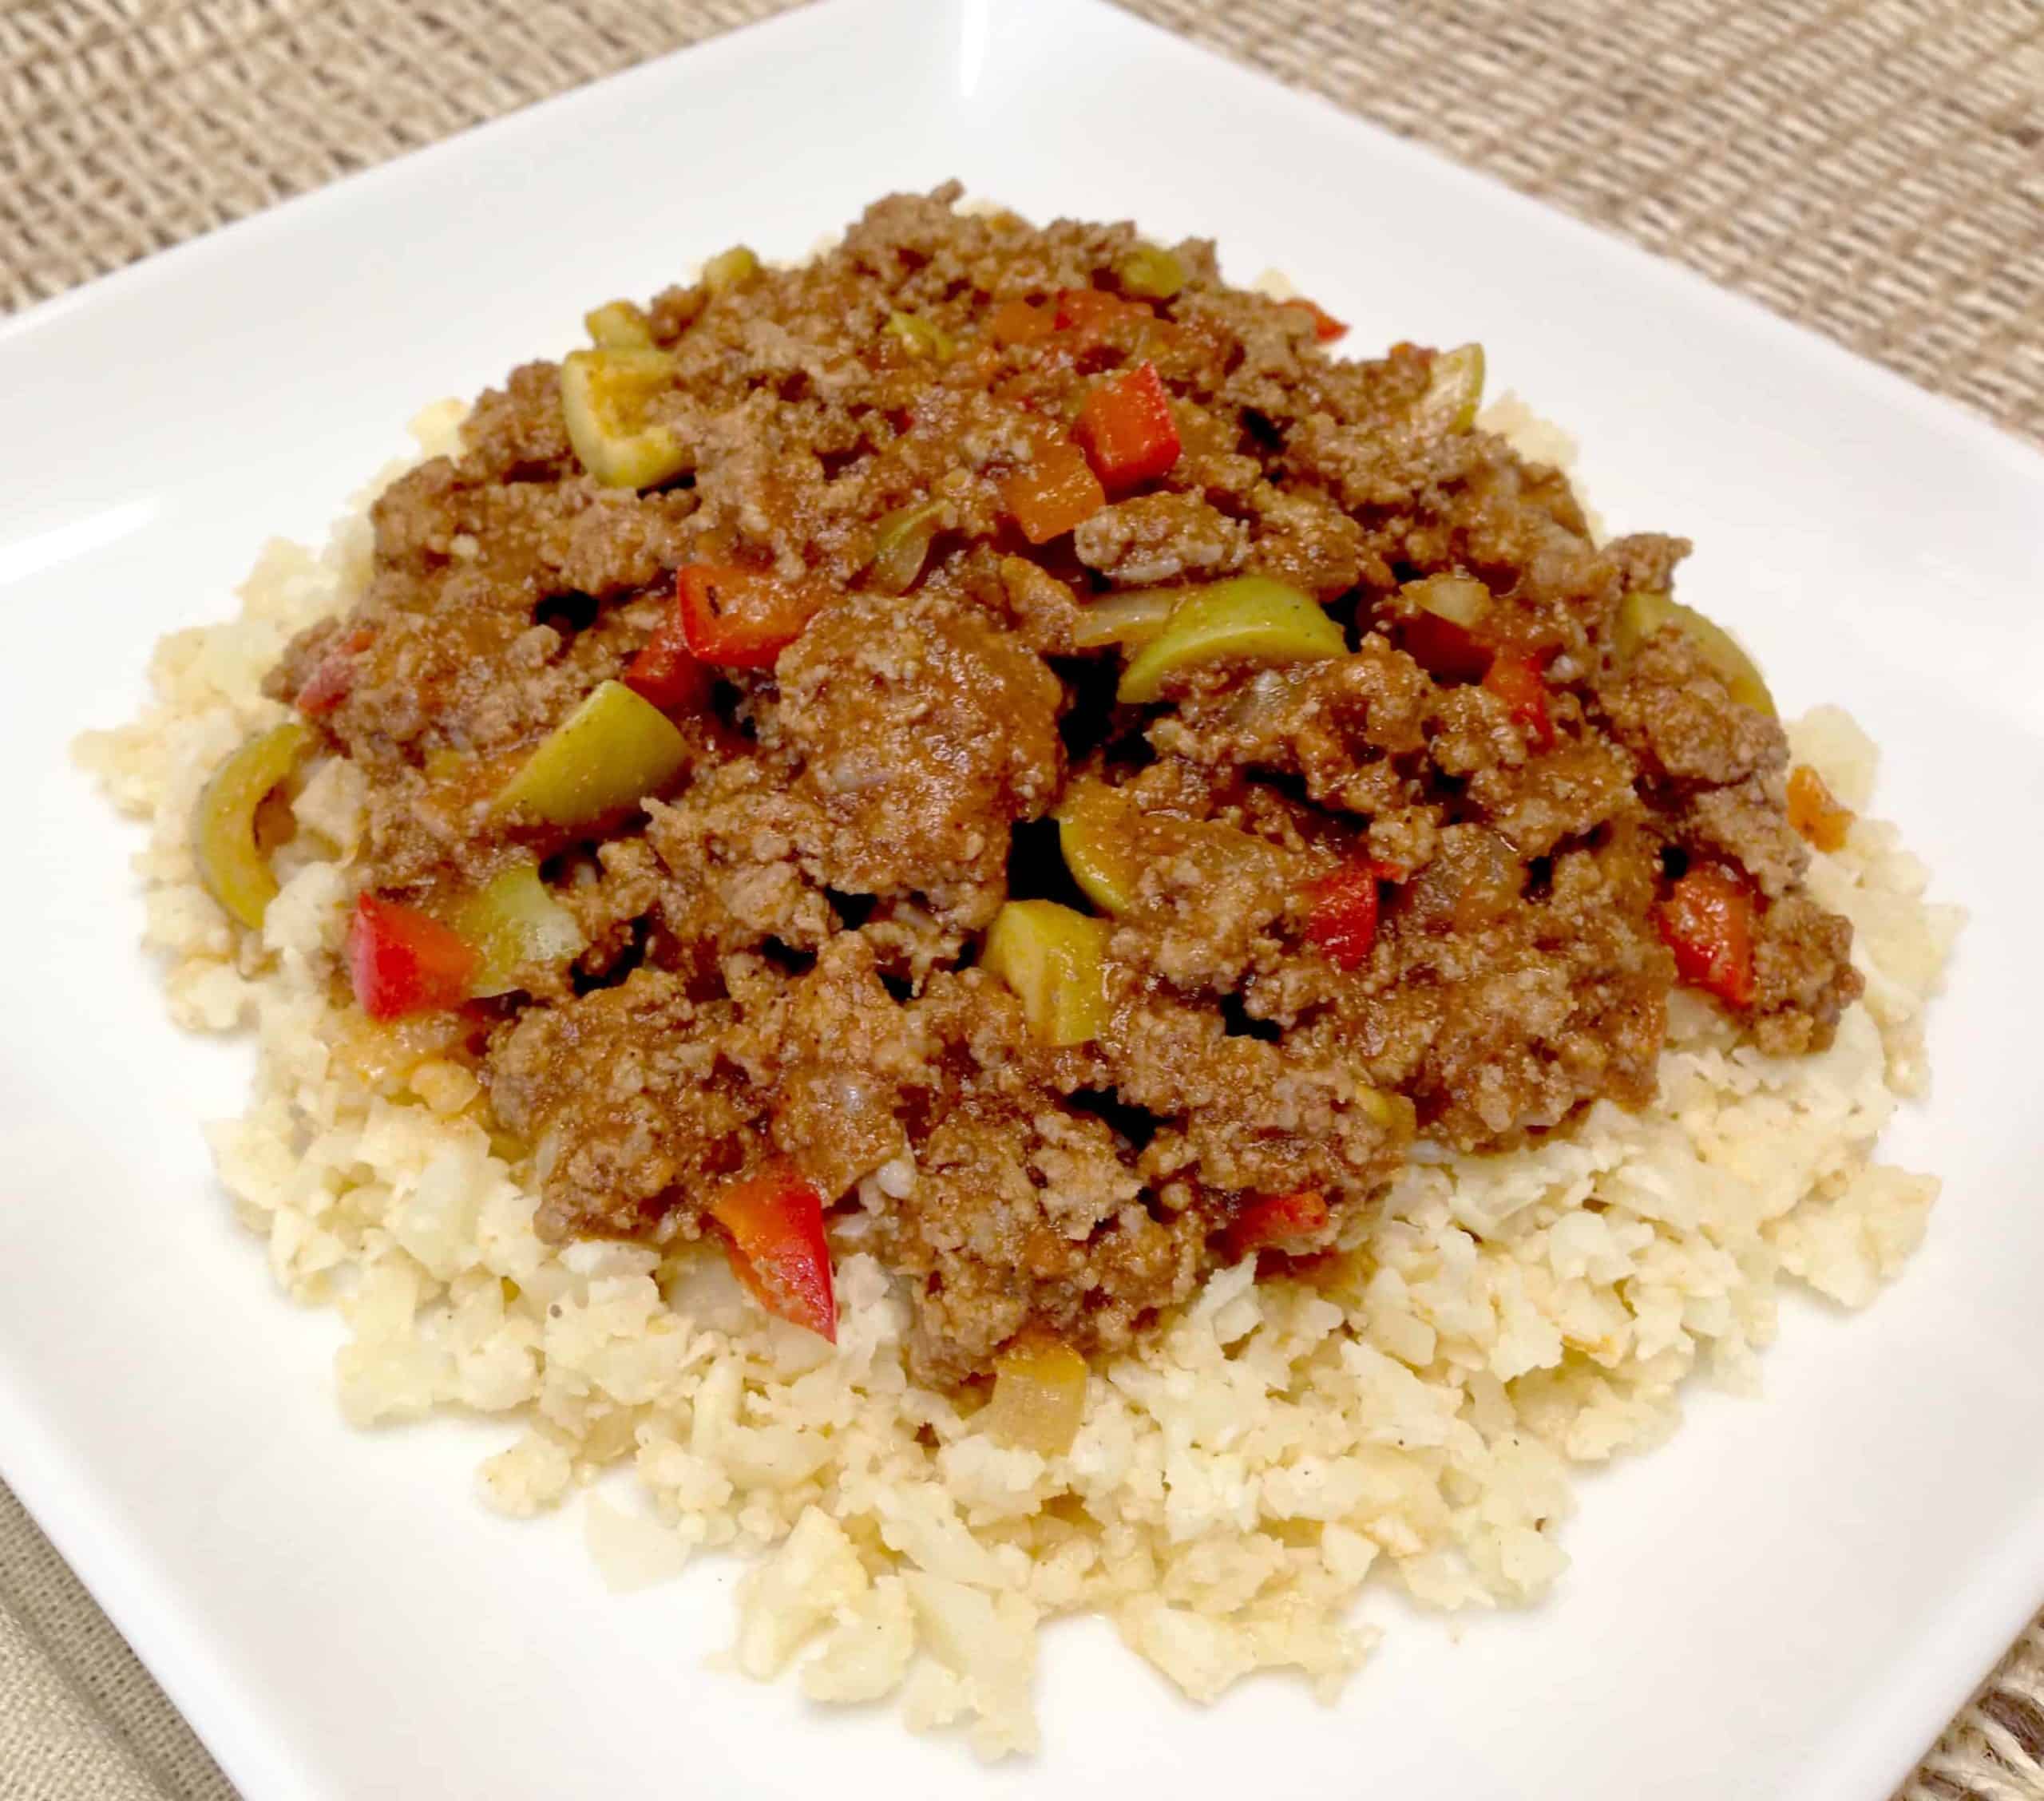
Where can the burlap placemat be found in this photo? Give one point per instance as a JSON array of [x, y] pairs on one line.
[[1874, 168]]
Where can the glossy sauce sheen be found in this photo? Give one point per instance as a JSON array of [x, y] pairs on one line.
[[782, 945]]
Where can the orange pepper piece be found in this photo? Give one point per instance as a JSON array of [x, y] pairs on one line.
[[1326, 328], [1056, 491], [1815, 812], [1020, 322]]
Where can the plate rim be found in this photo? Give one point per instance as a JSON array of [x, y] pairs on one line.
[[58, 1489]]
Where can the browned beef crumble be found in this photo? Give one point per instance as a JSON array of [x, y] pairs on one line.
[[781, 947]]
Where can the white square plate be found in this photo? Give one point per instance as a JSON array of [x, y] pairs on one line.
[[1789, 1601]]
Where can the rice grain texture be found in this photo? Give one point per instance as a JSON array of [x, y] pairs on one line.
[[1416, 1417]]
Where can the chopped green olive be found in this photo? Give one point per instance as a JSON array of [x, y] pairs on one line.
[[514, 924], [1150, 272], [1455, 390], [604, 397], [611, 752], [920, 338], [1252, 616], [901, 545], [729, 269], [1108, 841], [1641, 616], [1096, 832], [230, 862], [617, 325], [1055, 961]]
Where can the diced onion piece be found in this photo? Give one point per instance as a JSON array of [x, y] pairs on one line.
[[230, 862], [617, 325], [901, 544], [1641, 616], [1055, 959], [1454, 391], [729, 269], [611, 752], [1461, 600], [1131, 618], [1253, 617], [1039, 1396], [1150, 272], [603, 396], [515, 925]]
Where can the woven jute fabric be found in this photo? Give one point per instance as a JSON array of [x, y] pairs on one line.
[[1874, 168]]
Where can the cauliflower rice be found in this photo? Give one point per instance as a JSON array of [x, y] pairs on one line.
[[1234, 1484]]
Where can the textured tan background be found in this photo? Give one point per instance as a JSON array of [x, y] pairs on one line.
[[1874, 168]]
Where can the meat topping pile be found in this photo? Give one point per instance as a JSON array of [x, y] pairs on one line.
[[1004, 739]]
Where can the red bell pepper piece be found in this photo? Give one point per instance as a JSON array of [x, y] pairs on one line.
[[1707, 920], [1058, 491], [772, 1224], [400, 960], [665, 671], [333, 676], [1514, 677], [1343, 922], [739, 618], [1273, 1219], [1127, 428], [1326, 328]]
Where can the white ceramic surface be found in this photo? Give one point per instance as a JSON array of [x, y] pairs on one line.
[[1787, 1600]]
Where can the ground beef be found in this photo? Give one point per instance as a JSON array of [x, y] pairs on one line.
[[624, 1097], [1160, 538], [782, 948], [923, 730]]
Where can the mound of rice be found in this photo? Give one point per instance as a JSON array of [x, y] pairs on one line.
[[1232, 1487]]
